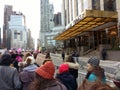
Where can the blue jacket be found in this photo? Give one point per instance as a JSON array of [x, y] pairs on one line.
[[92, 77]]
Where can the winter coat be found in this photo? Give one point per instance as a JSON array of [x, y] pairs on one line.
[[96, 74], [9, 78], [67, 79], [55, 85], [73, 69], [97, 85], [27, 76], [94, 80]]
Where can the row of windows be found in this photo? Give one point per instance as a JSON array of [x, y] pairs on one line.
[[109, 5]]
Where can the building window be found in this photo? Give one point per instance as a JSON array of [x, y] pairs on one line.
[[15, 34], [110, 5], [96, 4]]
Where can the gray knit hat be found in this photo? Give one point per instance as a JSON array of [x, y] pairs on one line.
[[94, 61]]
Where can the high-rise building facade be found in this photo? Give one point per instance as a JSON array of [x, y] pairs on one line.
[[17, 31], [46, 22], [8, 9], [51, 16], [90, 24]]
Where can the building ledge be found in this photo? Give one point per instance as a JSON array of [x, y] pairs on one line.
[[88, 20]]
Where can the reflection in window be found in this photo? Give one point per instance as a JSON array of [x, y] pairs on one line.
[[96, 4], [110, 5]]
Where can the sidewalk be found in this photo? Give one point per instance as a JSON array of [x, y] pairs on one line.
[[108, 65]]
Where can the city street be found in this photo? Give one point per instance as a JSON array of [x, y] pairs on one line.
[[107, 65]]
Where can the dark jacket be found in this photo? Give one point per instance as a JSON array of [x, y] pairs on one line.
[[67, 79], [73, 69], [9, 78], [27, 76]]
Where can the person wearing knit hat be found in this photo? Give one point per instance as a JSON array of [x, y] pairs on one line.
[[95, 71], [95, 74], [27, 74], [63, 68], [44, 78], [46, 70], [94, 61], [65, 77]]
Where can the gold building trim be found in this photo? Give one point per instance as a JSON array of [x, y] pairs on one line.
[[90, 19]]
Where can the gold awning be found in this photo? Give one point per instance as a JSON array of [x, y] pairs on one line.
[[90, 20]]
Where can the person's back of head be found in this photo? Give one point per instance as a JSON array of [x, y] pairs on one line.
[[63, 68], [46, 61], [5, 60], [29, 60], [46, 70], [70, 59]]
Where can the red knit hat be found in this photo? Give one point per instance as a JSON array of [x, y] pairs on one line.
[[63, 68], [46, 70]]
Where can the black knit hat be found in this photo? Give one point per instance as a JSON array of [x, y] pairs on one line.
[[94, 61], [5, 60]]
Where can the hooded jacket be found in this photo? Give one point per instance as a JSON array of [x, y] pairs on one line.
[[27, 76], [9, 78]]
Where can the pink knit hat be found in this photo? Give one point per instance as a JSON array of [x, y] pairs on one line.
[[46, 70], [63, 68]]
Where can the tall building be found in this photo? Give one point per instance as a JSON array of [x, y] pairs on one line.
[[58, 28], [17, 31], [46, 22], [90, 24], [8, 9]]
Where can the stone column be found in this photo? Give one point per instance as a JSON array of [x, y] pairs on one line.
[[101, 4]]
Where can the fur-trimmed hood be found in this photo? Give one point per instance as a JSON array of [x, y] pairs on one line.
[[73, 65]]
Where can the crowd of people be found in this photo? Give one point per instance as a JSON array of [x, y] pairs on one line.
[[20, 71]]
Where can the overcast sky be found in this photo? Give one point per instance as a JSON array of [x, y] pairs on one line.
[[30, 8]]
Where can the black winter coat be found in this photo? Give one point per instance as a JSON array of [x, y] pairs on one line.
[[67, 79]]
